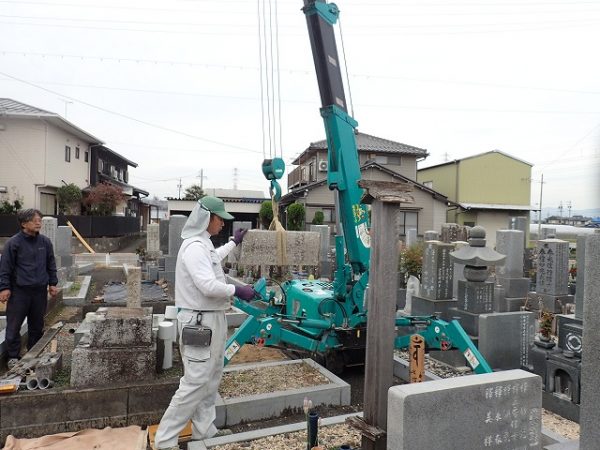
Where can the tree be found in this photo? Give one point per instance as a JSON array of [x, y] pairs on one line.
[[104, 198], [6, 207], [193, 192], [318, 218], [295, 217], [266, 213], [69, 198]]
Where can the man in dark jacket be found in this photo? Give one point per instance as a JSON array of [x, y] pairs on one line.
[[27, 274]]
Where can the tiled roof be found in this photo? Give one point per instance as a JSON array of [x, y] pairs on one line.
[[9, 106], [366, 142]]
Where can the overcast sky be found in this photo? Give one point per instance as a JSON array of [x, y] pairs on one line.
[[175, 85]]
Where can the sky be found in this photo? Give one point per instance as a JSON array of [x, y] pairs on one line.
[[191, 87]]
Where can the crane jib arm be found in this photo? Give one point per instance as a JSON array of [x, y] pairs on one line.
[[343, 160]]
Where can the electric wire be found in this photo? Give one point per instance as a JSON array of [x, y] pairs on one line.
[[125, 116]]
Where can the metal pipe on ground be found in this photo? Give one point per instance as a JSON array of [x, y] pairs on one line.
[[31, 383], [45, 383]]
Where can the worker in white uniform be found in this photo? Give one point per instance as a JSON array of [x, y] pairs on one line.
[[202, 297]]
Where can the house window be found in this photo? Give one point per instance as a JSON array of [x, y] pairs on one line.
[[311, 172], [388, 159], [120, 173], [86, 156], [67, 153], [76, 152], [428, 184], [47, 203], [328, 215], [406, 221], [126, 176]]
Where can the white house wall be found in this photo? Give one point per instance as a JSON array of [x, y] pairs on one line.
[[59, 170], [492, 221], [22, 144]]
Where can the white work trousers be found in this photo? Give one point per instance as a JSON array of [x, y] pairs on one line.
[[197, 393]]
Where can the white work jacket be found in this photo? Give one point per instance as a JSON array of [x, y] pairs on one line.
[[199, 279]]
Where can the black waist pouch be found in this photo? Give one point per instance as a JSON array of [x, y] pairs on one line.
[[196, 335]]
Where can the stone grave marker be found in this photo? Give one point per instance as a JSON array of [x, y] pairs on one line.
[[500, 410], [547, 233], [581, 239], [552, 276], [176, 224], [49, 225], [505, 338], [431, 236], [163, 229], [153, 239], [435, 294], [260, 247], [590, 394], [510, 274], [134, 286]]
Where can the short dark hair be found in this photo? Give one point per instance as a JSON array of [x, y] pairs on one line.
[[26, 215]]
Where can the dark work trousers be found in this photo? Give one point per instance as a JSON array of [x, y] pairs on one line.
[[30, 303]]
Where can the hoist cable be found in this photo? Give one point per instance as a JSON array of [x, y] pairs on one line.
[[268, 89], [346, 68], [280, 121], [260, 73]]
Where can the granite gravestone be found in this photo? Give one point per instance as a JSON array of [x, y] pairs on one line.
[[153, 239], [505, 339], [581, 239], [176, 224], [452, 232], [590, 394], [501, 410], [431, 236], [163, 229], [510, 274], [435, 293], [49, 225], [552, 278]]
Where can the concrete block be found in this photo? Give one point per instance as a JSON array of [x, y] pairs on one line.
[[547, 302], [97, 367], [122, 327], [260, 247], [498, 410], [170, 263]]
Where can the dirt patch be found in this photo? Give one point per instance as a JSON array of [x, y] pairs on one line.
[[252, 354]]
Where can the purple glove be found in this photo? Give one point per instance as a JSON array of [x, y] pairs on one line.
[[238, 236], [244, 292]]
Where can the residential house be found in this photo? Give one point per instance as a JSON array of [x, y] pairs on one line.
[[380, 159], [41, 151], [490, 188]]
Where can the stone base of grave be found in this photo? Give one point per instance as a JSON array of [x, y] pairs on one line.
[[547, 302], [563, 377], [98, 367], [469, 321], [570, 332], [515, 287], [421, 306], [560, 406]]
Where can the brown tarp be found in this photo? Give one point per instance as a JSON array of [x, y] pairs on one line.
[[128, 438]]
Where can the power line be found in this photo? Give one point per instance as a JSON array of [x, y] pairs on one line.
[[160, 127]]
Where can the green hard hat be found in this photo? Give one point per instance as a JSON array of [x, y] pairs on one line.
[[215, 205]]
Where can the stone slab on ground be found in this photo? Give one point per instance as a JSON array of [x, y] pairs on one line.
[[260, 247], [106, 259], [498, 410], [99, 366], [79, 298], [421, 306], [264, 406], [505, 339]]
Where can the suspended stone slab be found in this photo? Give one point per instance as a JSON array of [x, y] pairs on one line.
[[261, 247]]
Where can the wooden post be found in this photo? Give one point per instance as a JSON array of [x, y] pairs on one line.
[[416, 360], [381, 304]]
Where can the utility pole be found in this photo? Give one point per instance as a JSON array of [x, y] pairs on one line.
[[235, 179], [179, 188], [560, 211], [569, 209], [201, 176]]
